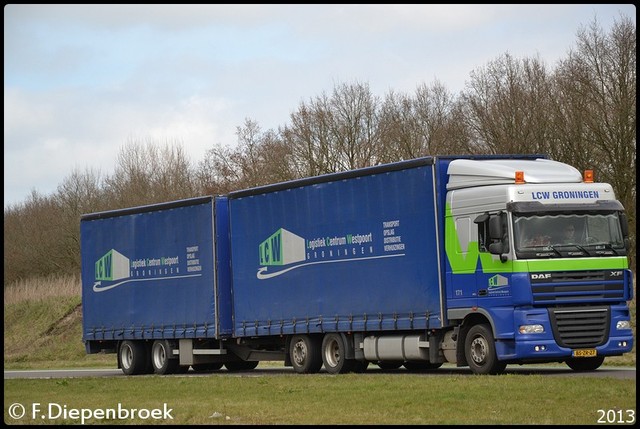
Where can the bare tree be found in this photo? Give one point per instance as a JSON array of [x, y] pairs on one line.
[[259, 158], [506, 105], [596, 114], [31, 238], [355, 142], [434, 108], [130, 184], [309, 137], [148, 173], [216, 172], [398, 129], [428, 124], [334, 133], [79, 193], [171, 174], [278, 158]]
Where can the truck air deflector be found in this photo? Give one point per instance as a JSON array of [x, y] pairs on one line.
[[464, 173]]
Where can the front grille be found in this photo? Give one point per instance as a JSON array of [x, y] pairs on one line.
[[572, 286], [580, 327]]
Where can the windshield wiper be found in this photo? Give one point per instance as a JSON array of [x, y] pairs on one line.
[[556, 251], [606, 246], [577, 246], [582, 249]]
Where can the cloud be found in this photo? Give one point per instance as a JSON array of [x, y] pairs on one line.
[[83, 80]]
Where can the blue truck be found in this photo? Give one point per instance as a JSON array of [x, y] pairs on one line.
[[412, 264]]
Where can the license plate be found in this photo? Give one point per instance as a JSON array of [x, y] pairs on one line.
[[584, 353]]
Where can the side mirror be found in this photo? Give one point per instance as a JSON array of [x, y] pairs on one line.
[[495, 228], [491, 231], [624, 226], [496, 248]]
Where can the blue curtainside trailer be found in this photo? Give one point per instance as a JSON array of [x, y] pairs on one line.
[[150, 272], [348, 254]]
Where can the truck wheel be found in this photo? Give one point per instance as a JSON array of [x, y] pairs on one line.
[[480, 351], [333, 355], [160, 358], [585, 364], [241, 365], [134, 357], [305, 354]]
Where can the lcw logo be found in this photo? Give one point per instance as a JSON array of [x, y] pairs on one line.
[[498, 281], [281, 248], [271, 250], [112, 266]]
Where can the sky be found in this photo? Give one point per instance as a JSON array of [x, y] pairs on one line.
[[83, 81]]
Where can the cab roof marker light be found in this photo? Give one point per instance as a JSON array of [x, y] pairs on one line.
[[588, 176], [519, 177]]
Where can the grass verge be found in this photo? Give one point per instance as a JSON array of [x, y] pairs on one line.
[[353, 399]]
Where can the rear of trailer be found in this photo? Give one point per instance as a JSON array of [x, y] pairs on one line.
[[149, 276]]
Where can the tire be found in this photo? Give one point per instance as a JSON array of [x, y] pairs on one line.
[[585, 364], [333, 355], [241, 365], [480, 351], [304, 351], [206, 367], [161, 358], [387, 365], [421, 366], [134, 357]]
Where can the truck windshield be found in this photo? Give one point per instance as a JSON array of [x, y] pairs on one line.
[[567, 235]]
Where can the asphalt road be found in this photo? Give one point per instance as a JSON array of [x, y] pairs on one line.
[[605, 371]]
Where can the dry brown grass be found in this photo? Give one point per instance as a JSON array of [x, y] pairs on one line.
[[37, 289]]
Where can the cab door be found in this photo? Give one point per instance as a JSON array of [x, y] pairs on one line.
[[494, 272], [461, 247]]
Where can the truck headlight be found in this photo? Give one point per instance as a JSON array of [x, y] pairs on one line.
[[531, 329], [623, 324]]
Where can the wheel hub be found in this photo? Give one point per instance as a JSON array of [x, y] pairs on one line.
[[478, 350], [299, 352]]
